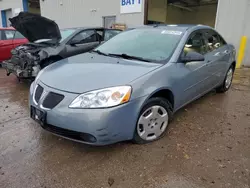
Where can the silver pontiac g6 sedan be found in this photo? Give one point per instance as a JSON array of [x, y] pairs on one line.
[[129, 87]]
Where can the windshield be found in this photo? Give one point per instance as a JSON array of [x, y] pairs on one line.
[[65, 33], [151, 43]]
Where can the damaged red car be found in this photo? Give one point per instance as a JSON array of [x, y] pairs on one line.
[[9, 39]]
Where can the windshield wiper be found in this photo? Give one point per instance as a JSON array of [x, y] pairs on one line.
[[99, 52], [126, 56]]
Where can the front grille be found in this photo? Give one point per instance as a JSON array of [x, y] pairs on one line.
[[85, 137], [38, 93], [52, 99]]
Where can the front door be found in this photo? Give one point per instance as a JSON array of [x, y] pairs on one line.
[[194, 76], [6, 44]]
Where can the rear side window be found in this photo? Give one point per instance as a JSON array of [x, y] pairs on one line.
[[18, 35], [213, 40]]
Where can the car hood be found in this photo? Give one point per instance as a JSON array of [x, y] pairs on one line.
[[86, 72], [35, 27]]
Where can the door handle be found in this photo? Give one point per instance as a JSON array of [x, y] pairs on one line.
[[208, 62], [217, 54], [226, 52]]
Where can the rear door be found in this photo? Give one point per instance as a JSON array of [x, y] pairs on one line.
[[218, 55], [19, 39], [82, 42], [6, 44]]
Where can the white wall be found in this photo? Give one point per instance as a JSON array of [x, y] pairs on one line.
[[69, 13], [233, 23], [10, 4]]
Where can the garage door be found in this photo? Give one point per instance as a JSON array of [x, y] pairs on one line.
[[182, 11]]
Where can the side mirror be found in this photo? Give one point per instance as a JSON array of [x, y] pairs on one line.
[[192, 56]]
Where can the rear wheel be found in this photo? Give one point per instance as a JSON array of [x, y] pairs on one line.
[[227, 81], [153, 121]]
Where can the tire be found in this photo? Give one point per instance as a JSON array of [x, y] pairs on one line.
[[153, 121], [227, 83]]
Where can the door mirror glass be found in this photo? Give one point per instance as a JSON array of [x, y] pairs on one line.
[[192, 56]]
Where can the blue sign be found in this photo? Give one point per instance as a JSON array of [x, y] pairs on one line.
[[131, 6]]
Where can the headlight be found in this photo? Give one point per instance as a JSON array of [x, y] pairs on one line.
[[103, 98]]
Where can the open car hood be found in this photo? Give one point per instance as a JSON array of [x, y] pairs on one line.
[[35, 27]]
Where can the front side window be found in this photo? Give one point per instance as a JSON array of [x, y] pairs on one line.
[[8, 34], [195, 43], [1, 35], [155, 44], [85, 37], [213, 40]]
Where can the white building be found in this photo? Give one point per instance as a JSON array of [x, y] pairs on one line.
[[229, 17]]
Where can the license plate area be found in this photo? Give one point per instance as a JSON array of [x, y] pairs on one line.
[[38, 115]]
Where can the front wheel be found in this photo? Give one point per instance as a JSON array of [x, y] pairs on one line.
[[227, 81], [153, 120]]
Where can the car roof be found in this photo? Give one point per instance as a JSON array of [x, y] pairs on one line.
[[83, 28], [177, 27]]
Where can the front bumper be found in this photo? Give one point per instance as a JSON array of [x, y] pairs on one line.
[[12, 68], [107, 126]]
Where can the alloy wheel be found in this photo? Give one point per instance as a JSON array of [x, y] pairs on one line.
[[152, 123], [229, 78]]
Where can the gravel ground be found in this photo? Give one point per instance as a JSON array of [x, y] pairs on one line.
[[207, 145]]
